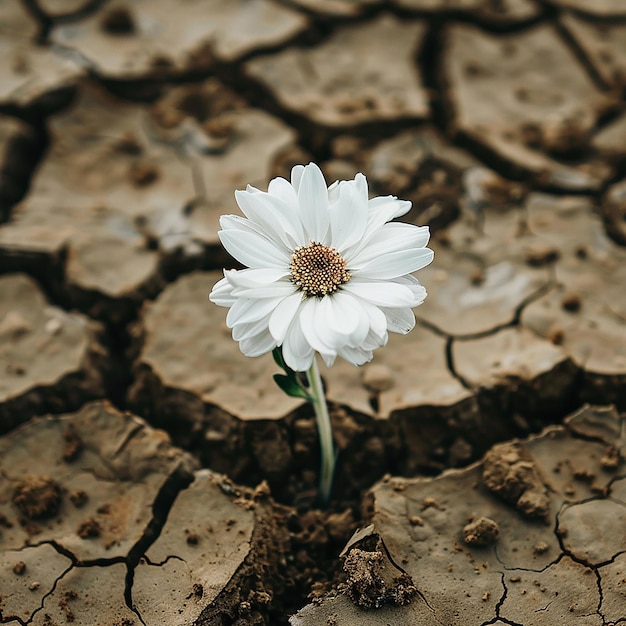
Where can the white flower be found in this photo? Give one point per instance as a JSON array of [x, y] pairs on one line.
[[327, 271]]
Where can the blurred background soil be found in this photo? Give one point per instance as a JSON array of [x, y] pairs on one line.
[[126, 126]]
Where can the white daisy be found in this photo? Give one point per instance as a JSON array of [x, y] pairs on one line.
[[328, 271]]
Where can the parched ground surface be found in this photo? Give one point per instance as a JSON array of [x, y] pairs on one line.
[[150, 474]]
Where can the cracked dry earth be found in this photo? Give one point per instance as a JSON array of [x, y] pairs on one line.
[[150, 474]]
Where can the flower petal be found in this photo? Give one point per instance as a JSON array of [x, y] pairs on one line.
[[257, 345], [400, 320], [313, 203], [280, 289], [346, 319], [297, 352], [283, 315], [419, 291], [377, 320], [356, 356], [315, 327], [257, 277], [395, 264], [391, 237], [253, 250], [381, 210], [381, 293], [221, 294], [283, 190], [249, 329], [374, 341], [389, 207], [249, 310], [348, 215], [276, 220], [296, 176]]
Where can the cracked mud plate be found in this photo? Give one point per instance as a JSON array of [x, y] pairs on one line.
[[103, 521], [533, 535]]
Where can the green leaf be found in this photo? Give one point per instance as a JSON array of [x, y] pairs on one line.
[[289, 384], [277, 353]]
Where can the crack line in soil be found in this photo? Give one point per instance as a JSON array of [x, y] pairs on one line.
[[176, 482]]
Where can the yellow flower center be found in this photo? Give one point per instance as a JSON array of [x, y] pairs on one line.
[[318, 270]]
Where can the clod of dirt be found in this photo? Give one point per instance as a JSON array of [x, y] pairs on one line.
[[481, 532], [613, 211], [373, 578], [366, 586], [37, 497], [89, 529], [540, 255], [510, 472], [74, 445], [118, 21]]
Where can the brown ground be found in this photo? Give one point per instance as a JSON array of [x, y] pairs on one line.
[[125, 126]]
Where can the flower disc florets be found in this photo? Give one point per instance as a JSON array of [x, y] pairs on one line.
[[318, 270], [328, 269]]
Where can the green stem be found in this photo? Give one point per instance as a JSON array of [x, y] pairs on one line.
[[324, 430]]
